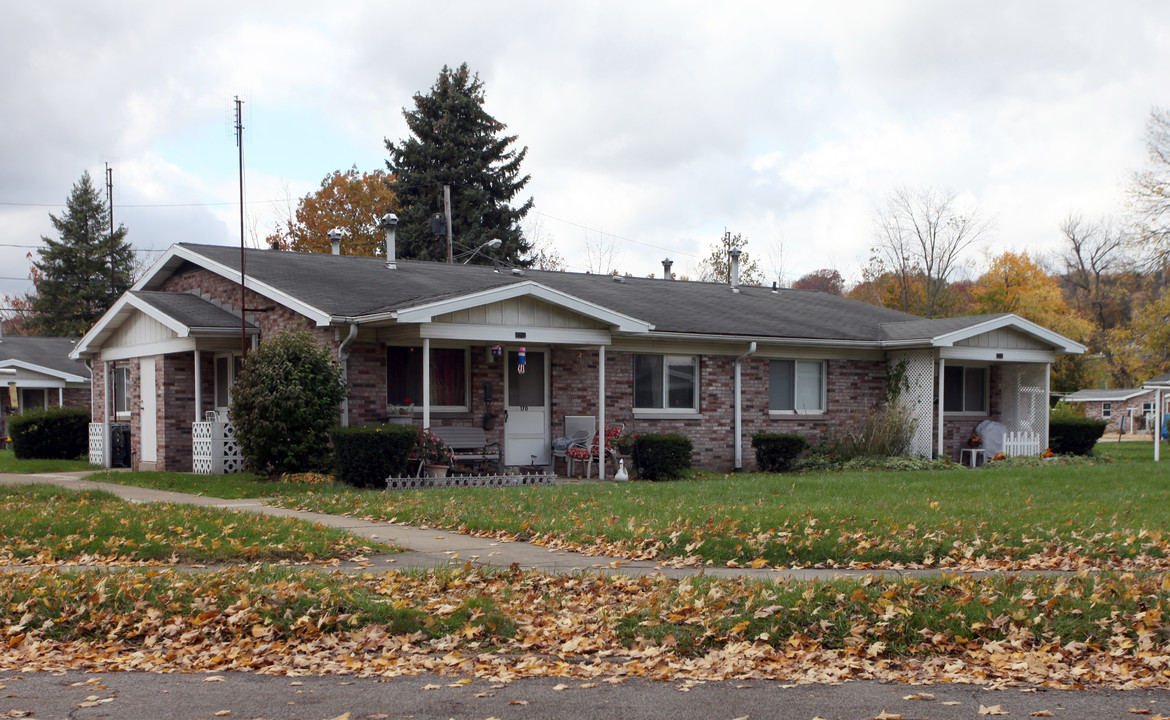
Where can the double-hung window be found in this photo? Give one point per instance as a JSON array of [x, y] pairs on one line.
[[666, 382], [120, 375], [404, 371], [796, 386], [1106, 410], [965, 389]]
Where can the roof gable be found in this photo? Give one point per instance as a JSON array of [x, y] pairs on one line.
[[45, 355]]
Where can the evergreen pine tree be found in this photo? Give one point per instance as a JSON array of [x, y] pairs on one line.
[[456, 142], [72, 279]]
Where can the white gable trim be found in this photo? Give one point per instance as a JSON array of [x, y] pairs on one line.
[[529, 288], [117, 316], [177, 252], [33, 367], [1059, 342]]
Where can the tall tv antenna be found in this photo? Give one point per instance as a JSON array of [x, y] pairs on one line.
[[240, 145], [110, 207]]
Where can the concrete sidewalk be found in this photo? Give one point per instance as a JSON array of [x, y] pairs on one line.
[[432, 548]]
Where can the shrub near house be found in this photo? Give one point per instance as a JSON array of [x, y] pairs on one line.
[[55, 434]]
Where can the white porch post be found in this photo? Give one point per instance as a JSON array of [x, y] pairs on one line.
[[601, 412], [1158, 425], [198, 386], [1045, 397], [942, 366], [426, 382], [60, 397]]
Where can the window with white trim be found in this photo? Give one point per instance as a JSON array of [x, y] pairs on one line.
[[666, 382], [796, 386], [227, 369], [449, 373], [120, 377], [965, 389], [1106, 410]]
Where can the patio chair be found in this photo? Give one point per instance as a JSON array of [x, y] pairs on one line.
[[587, 456]]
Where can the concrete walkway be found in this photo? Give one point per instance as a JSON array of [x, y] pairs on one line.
[[432, 548]]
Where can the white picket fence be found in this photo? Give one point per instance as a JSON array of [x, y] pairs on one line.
[[1021, 443]]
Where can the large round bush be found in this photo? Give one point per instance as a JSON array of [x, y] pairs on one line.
[[285, 402]]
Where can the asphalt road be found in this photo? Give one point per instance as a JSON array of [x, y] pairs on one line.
[[145, 696]]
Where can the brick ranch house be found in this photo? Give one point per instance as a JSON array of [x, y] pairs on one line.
[[37, 372], [1128, 410], [713, 361]]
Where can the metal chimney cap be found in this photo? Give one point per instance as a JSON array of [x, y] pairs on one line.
[[735, 252], [335, 234], [389, 220]]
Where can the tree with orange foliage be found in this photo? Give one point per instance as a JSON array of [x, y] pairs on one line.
[[350, 201]]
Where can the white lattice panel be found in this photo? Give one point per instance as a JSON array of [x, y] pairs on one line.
[[918, 396], [1025, 399], [214, 449], [97, 444]]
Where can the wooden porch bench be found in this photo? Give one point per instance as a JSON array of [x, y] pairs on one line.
[[469, 444]]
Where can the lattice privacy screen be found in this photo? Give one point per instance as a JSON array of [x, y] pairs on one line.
[[1025, 399], [97, 444], [918, 396], [214, 448]]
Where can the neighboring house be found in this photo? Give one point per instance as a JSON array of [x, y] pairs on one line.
[[1126, 410], [715, 362], [37, 372]]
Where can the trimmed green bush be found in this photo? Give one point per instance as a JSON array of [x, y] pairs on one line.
[[60, 433], [365, 455], [285, 402], [1074, 436], [775, 452], [662, 457]]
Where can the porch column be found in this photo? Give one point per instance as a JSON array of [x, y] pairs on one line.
[[1158, 424], [1046, 399], [942, 366], [601, 412], [198, 387], [60, 397], [108, 440], [426, 382]]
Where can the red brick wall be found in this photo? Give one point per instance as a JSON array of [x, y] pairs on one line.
[[1119, 409], [853, 387]]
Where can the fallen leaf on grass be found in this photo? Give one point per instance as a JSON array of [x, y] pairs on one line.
[[993, 710], [586, 686], [888, 716], [1041, 713], [223, 713], [919, 696], [432, 686], [560, 686]]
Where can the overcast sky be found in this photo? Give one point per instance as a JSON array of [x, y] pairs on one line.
[[651, 126]]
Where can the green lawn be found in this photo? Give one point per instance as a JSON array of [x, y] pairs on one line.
[[1052, 516], [48, 524], [232, 486], [9, 464]]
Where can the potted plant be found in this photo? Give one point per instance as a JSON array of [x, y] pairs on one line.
[[400, 414], [436, 455]]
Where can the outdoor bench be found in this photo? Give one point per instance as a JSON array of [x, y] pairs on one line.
[[469, 444]]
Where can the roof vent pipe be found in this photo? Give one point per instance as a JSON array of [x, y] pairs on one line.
[[666, 263], [389, 223], [735, 253], [335, 240]]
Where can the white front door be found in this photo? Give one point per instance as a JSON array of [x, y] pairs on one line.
[[526, 408], [149, 421]]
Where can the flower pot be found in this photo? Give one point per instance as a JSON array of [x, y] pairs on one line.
[[400, 420], [435, 471]]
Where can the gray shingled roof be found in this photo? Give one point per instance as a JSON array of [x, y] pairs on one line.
[[355, 286], [190, 310], [1160, 380], [47, 352]]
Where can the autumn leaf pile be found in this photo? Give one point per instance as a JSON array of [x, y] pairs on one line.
[[42, 525], [1070, 631]]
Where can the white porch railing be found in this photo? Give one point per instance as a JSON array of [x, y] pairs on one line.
[[1021, 443], [213, 446]]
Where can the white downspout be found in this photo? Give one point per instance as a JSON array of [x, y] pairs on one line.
[[739, 406], [941, 372], [1158, 424], [343, 355]]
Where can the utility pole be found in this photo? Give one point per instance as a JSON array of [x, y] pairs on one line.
[[240, 145], [450, 234], [110, 207]]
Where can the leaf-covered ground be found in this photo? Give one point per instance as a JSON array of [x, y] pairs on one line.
[[1114, 516], [42, 524], [1068, 632]]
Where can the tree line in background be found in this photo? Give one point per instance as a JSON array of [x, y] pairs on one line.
[[1105, 289]]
